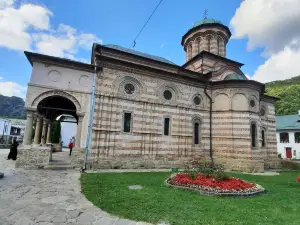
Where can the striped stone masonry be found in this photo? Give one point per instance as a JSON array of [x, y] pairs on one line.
[[146, 146]]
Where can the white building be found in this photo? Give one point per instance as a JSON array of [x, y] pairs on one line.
[[11, 129], [5, 126], [288, 136]]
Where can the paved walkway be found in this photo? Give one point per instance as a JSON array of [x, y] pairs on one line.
[[47, 197]]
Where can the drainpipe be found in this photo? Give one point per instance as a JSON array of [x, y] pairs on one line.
[[210, 124], [90, 127], [210, 118]]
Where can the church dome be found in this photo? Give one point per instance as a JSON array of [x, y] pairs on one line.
[[208, 35], [234, 76], [207, 21]]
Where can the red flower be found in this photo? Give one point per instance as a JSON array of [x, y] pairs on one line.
[[298, 179], [204, 181]]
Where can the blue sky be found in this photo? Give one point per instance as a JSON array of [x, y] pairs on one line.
[[68, 28]]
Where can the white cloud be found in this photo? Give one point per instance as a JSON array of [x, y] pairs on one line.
[[28, 28], [16, 23], [271, 24], [274, 26], [8, 88], [6, 3], [280, 66], [64, 42]]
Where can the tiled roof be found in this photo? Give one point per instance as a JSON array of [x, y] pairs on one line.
[[134, 52], [234, 76], [207, 21], [288, 122]]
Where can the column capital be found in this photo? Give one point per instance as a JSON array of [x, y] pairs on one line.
[[80, 114]]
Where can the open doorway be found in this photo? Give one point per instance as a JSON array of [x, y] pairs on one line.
[[58, 122]]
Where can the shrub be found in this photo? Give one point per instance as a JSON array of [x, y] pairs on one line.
[[193, 174], [279, 155], [289, 165], [220, 175]]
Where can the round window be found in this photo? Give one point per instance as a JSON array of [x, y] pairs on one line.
[[129, 88], [252, 103], [262, 112], [197, 100], [167, 94]]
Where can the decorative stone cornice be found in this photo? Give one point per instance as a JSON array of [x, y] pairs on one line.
[[65, 63], [181, 75], [56, 88]]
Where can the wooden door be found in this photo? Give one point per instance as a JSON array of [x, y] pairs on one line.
[[288, 153]]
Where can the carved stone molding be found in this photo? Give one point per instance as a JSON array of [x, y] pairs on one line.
[[120, 82], [46, 94]]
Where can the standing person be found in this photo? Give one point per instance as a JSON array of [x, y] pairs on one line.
[[13, 151], [71, 145]]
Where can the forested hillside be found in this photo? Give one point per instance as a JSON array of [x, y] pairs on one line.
[[289, 93], [12, 107]]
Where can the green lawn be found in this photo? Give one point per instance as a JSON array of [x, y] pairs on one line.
[[156, 202]]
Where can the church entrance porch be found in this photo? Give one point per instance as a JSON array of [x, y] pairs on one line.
[[42, 145]]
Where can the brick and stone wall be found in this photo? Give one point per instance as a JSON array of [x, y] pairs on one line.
[[148, 107], [147, 147]]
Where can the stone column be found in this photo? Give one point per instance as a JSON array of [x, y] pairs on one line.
[[37, 134], [28, 129], [44, 131], [49, 132], [78, 134]]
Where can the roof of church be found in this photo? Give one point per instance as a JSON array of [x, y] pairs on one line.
[[288, 122], [32, 56], [207, 21], [200, 54], [234, 76], [134, 52]]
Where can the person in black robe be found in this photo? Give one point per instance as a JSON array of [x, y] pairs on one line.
[[13, 151]]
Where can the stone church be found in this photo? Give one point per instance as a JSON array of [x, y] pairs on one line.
[[151, 113]]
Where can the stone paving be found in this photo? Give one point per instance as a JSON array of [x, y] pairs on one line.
[[47, 197]]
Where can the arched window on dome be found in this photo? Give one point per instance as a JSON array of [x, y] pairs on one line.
[[198, 41], [208, 43], [218, 46], [189, 51]]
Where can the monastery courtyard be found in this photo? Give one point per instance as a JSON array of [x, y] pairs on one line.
[[47, 197]]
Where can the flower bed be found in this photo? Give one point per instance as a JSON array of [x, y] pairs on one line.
[[208, 185]]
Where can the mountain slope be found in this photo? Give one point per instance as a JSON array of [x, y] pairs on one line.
[[289, 93], [12, 107]]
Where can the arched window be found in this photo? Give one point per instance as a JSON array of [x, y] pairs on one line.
[[198, 44], [297, 137], [263, 138], [189, 51], [208, 43], [196, 130], [218, 46], [284, 137], [253, 135]]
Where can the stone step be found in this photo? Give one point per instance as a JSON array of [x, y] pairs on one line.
[[58, 167], [60, 163]]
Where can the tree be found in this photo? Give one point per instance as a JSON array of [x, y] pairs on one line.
[[55, 132]]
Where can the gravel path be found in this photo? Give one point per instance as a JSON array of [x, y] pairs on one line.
[[47, 197]]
